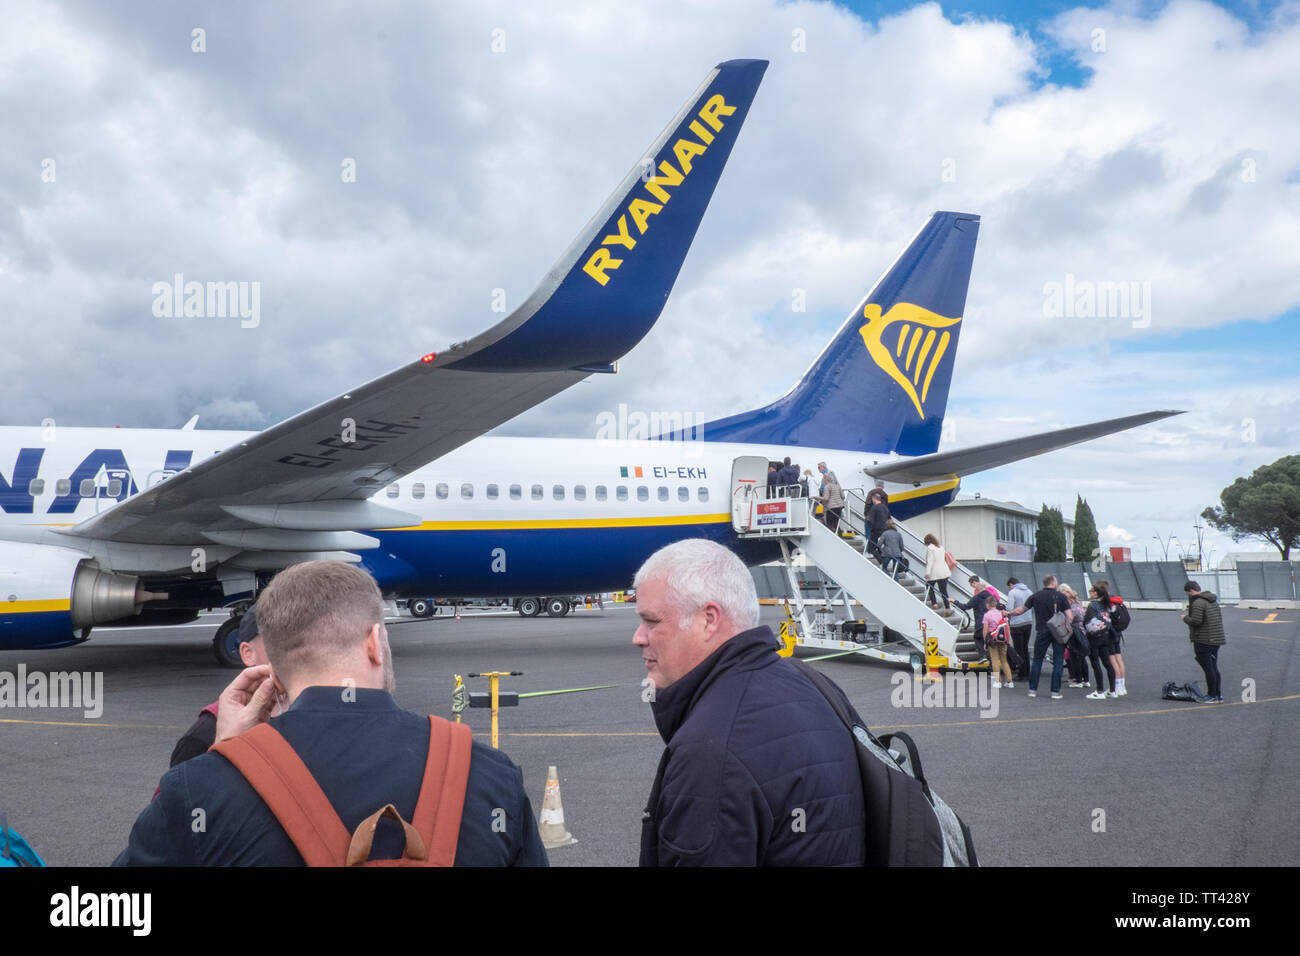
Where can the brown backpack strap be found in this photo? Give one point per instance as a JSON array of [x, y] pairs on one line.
[[290, 792], [442, 794], [364, 838]]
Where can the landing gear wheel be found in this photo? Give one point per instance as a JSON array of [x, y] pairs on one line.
[[557, 607], [420, 607], [225, 645], [528, 607]]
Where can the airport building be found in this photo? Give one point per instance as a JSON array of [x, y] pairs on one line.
[[981, 529]]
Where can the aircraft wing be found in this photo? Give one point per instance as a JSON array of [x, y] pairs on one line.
[[968, 461], [593, 306]]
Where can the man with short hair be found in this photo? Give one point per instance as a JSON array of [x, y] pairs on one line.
[[202, 733], [758, 769], [1045, 603], [788, 478], [1021, 626], [331, 668], [1204, 620], [876, 519]]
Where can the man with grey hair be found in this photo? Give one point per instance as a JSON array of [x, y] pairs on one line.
[[758, 769], [331, 670]]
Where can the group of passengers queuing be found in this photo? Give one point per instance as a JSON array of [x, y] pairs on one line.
[[1085, 634], [783, 480]]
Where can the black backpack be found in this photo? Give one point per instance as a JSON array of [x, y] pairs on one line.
[[1119, 617], [907, 824]]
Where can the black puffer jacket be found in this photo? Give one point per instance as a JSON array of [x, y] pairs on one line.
[[1205, 619], [758, 770]]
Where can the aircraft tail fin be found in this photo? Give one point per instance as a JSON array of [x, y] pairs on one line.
[[881, 385], [609, 287]]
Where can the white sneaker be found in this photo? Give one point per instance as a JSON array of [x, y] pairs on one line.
[[997, 685], [1097, 695], [1111, 693], [1010, 686], [1056, 697], [1033, 693], [1122, 692]]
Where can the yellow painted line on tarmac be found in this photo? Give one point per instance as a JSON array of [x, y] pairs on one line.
[[1196, 708], [91, 722], [614, 733]]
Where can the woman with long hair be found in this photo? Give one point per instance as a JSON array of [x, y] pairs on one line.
[[1116, 641], [1096, 624], [936, 572]]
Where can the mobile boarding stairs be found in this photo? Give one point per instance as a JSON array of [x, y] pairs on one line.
[[900, 624]]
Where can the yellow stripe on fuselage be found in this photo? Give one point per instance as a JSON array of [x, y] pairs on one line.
[[922, 492], [647, 522], [540, 523], [34, 607]]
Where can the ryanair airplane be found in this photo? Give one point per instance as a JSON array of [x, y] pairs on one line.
[[123, 527]]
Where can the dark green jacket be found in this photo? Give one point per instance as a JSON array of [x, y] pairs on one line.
[[1205, 619]]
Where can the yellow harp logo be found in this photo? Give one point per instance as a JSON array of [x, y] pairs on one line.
[[917, 332]]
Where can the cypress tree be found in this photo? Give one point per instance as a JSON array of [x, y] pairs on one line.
[[1086, 544], [1051, 535]]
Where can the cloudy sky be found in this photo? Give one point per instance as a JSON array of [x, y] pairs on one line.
[[1146, 143]]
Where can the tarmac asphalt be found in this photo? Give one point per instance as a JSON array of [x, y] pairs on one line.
[[1131, 781]]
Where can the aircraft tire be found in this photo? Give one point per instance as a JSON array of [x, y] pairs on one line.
[[528, 607], [225, 644], [557, 607], [420, 607]]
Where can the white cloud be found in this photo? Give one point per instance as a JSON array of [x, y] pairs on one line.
[[475, 169]]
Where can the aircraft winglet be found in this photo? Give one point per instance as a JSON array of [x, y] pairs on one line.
[[609, 287]]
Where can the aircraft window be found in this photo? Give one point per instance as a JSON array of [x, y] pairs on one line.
[[63, 486], [492, 491], [558, 492], [702, 493], [516, 492], [663, 492], [417, 490], [642, 493], [467, 490], [394, 491], [441, 489], [579, 492], [601, 493], [538, 493], [683, 493], [115, 487], [87, 489], [36, 487], [621, 492]]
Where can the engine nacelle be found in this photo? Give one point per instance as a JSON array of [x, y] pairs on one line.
[[51, 597]]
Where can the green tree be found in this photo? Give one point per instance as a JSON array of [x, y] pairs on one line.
[[1086, 544], [1051, 535], [1265, 505]]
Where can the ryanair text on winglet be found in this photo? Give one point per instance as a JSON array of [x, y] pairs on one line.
[[641, 209]]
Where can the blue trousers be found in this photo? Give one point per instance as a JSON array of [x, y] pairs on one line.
[[1042, 641]]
